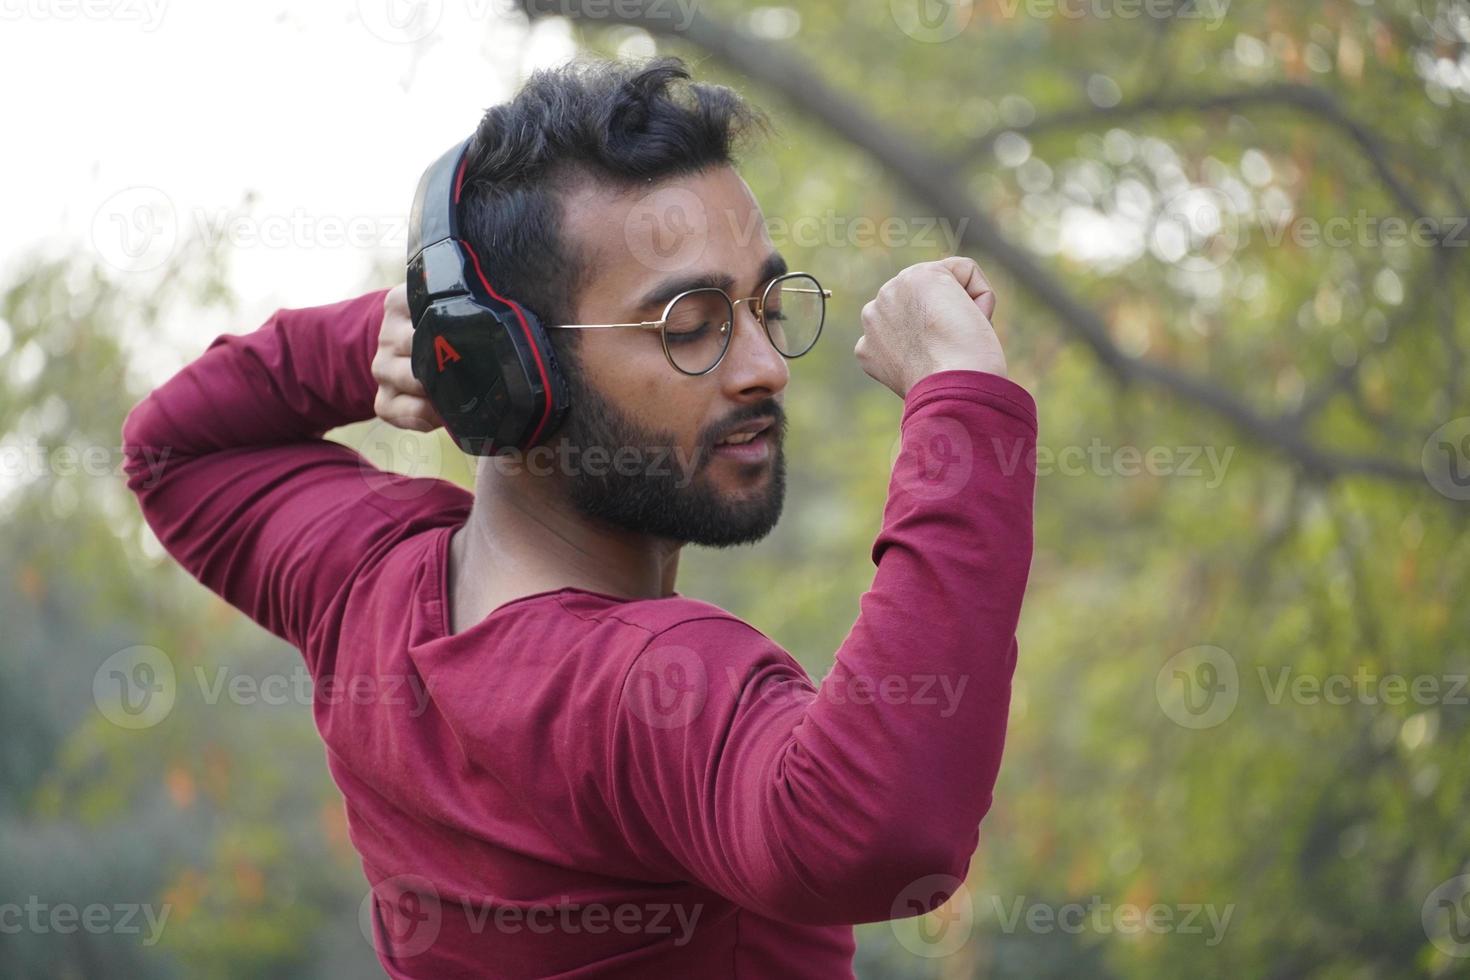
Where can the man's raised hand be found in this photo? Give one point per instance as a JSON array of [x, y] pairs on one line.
[[401, 399], [933, 316]]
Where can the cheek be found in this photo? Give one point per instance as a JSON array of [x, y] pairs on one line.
[[638, 380]]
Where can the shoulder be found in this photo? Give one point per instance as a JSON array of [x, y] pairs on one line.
[[679, 654], [651, 621]]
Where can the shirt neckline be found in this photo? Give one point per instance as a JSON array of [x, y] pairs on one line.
[[441, 563]]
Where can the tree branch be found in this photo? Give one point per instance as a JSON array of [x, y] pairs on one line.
[[924, 175], [1308, 99]]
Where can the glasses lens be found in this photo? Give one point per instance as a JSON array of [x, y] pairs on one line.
[[795, 308], [698, 330]]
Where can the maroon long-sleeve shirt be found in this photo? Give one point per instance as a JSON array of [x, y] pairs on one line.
[[583, 785]]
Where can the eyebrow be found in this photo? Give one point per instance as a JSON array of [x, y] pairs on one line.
[[773, 266]]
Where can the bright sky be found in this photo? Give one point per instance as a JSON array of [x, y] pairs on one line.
[[132, 122]]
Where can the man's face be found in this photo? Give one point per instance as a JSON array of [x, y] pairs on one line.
[[644, 248]]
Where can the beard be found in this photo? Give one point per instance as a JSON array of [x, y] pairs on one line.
[[665, 493]]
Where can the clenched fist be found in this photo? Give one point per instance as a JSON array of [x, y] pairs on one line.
[[401, 399], [933, 316]]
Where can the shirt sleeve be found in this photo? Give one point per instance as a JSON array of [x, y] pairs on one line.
[[831, 804], [231, 472]]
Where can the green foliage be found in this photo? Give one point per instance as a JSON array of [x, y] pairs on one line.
[[1321, 827]]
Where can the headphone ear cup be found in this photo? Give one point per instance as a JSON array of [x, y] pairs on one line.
[[485, 362], [458, 351], [482, 375]]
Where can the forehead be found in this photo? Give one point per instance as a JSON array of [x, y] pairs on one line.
[[704, 224]]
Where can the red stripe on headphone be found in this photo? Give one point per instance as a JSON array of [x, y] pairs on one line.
[[526, 329]]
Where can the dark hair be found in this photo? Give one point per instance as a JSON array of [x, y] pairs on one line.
[[611, 122]]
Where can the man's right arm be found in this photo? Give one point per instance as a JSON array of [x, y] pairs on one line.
[[824, 805]]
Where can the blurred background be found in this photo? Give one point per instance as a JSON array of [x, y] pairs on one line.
[[1230, 239]]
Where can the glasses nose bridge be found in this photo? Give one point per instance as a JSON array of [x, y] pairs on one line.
[[755, 307], [756, 312]]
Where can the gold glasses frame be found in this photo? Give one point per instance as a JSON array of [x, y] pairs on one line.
[[760, 315]]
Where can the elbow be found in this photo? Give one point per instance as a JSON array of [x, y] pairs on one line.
[[144, 452], [913, 875], [896, 877]]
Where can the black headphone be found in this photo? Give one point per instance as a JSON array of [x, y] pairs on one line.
[[483, 359]]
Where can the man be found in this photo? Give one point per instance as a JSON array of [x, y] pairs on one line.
[[605, 777]]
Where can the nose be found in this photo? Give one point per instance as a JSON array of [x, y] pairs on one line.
[[752, 367]]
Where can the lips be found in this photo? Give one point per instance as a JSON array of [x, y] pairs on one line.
[[745, 433]]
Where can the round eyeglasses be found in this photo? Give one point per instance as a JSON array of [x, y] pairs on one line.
[[696, 325]]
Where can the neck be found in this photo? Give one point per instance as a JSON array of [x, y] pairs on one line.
[[524, 537]]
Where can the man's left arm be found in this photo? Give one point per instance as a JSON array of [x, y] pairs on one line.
[[229, 466]]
